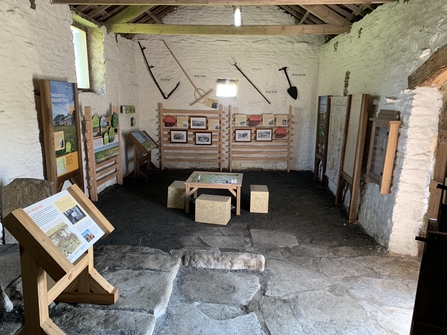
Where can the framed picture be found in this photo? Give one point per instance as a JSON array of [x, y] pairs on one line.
[[263, 134], [197, 122], [242, 135], [179, 136], [203, 138]]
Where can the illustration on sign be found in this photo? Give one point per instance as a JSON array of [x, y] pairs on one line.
[[64, 126]]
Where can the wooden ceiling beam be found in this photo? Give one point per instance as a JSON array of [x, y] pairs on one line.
[[154, 17], [129, 14], [356, 10], [299, 12], [342, 12], [97, 11], [326, 14], [159, 11], [218, 2], [179, 29]]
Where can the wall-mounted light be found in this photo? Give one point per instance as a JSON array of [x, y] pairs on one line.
[[237, 16]]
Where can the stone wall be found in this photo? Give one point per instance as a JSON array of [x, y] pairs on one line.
[[208, 58], [40, 47], [380, 52]]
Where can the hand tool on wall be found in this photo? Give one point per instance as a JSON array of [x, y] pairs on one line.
[[149, 67], [292, 90], [237, 67], [199, 93]]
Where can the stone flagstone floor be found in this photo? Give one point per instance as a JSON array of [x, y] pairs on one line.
[[321, 275]]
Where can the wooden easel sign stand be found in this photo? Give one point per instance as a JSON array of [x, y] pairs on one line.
[[76, 282], [143, 145]]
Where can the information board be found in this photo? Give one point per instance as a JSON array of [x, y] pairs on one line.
[[66, 223]]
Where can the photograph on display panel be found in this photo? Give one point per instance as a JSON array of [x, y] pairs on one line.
[[179, 136], [203, 138], [264, 134], [198, 122], [242, 135]]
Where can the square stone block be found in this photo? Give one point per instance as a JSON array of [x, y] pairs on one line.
[[259, 199], [176, 194], [213, 209]]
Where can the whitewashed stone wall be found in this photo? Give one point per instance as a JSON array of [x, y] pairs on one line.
[[208, 58], [381, 52], [39, 46]]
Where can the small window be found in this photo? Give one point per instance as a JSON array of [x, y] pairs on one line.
[[81, 58], [227, 88]]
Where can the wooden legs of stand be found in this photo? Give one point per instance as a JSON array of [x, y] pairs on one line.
[[83, 284], [34, 281]]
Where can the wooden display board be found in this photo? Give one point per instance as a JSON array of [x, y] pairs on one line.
[[252, 140], [192, 136], [143, 145], [352, 152], [339, 109], [52, 268], [61, 132], [382, 149], [104, 160], [324, 112]]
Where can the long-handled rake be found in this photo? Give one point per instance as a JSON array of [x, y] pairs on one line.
[[199, 93]]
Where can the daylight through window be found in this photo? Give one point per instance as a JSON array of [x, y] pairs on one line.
[[81, 58], [227, 88]]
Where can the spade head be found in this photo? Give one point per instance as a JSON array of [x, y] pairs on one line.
[[293, 92]]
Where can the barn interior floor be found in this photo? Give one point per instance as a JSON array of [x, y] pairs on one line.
[[321, 274]]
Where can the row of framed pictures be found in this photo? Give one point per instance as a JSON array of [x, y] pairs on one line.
[[261, 134], [192, 122], [200, 138], [277, 120], [240, 135]]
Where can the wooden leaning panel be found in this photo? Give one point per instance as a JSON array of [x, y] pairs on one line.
[[99, 173]]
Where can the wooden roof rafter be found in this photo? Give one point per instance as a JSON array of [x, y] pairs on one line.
[[219, 2], [334, 16]]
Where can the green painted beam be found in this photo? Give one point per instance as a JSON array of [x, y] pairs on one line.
[[180, 29], [83, 21]]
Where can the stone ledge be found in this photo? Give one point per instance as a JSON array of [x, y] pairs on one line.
[[213, 259]]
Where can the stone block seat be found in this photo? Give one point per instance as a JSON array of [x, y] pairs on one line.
[[176, 194], [214, 209], [259, 199]]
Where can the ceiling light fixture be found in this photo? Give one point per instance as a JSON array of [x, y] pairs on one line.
[[237, 16]]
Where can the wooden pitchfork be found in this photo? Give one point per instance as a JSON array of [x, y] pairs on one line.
[[199, 93]]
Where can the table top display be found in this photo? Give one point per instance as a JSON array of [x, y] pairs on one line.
[[214, 180]]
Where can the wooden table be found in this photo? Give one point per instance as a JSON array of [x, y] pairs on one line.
[[214, 180]]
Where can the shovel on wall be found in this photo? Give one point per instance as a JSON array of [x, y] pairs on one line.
[[292, 90]]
